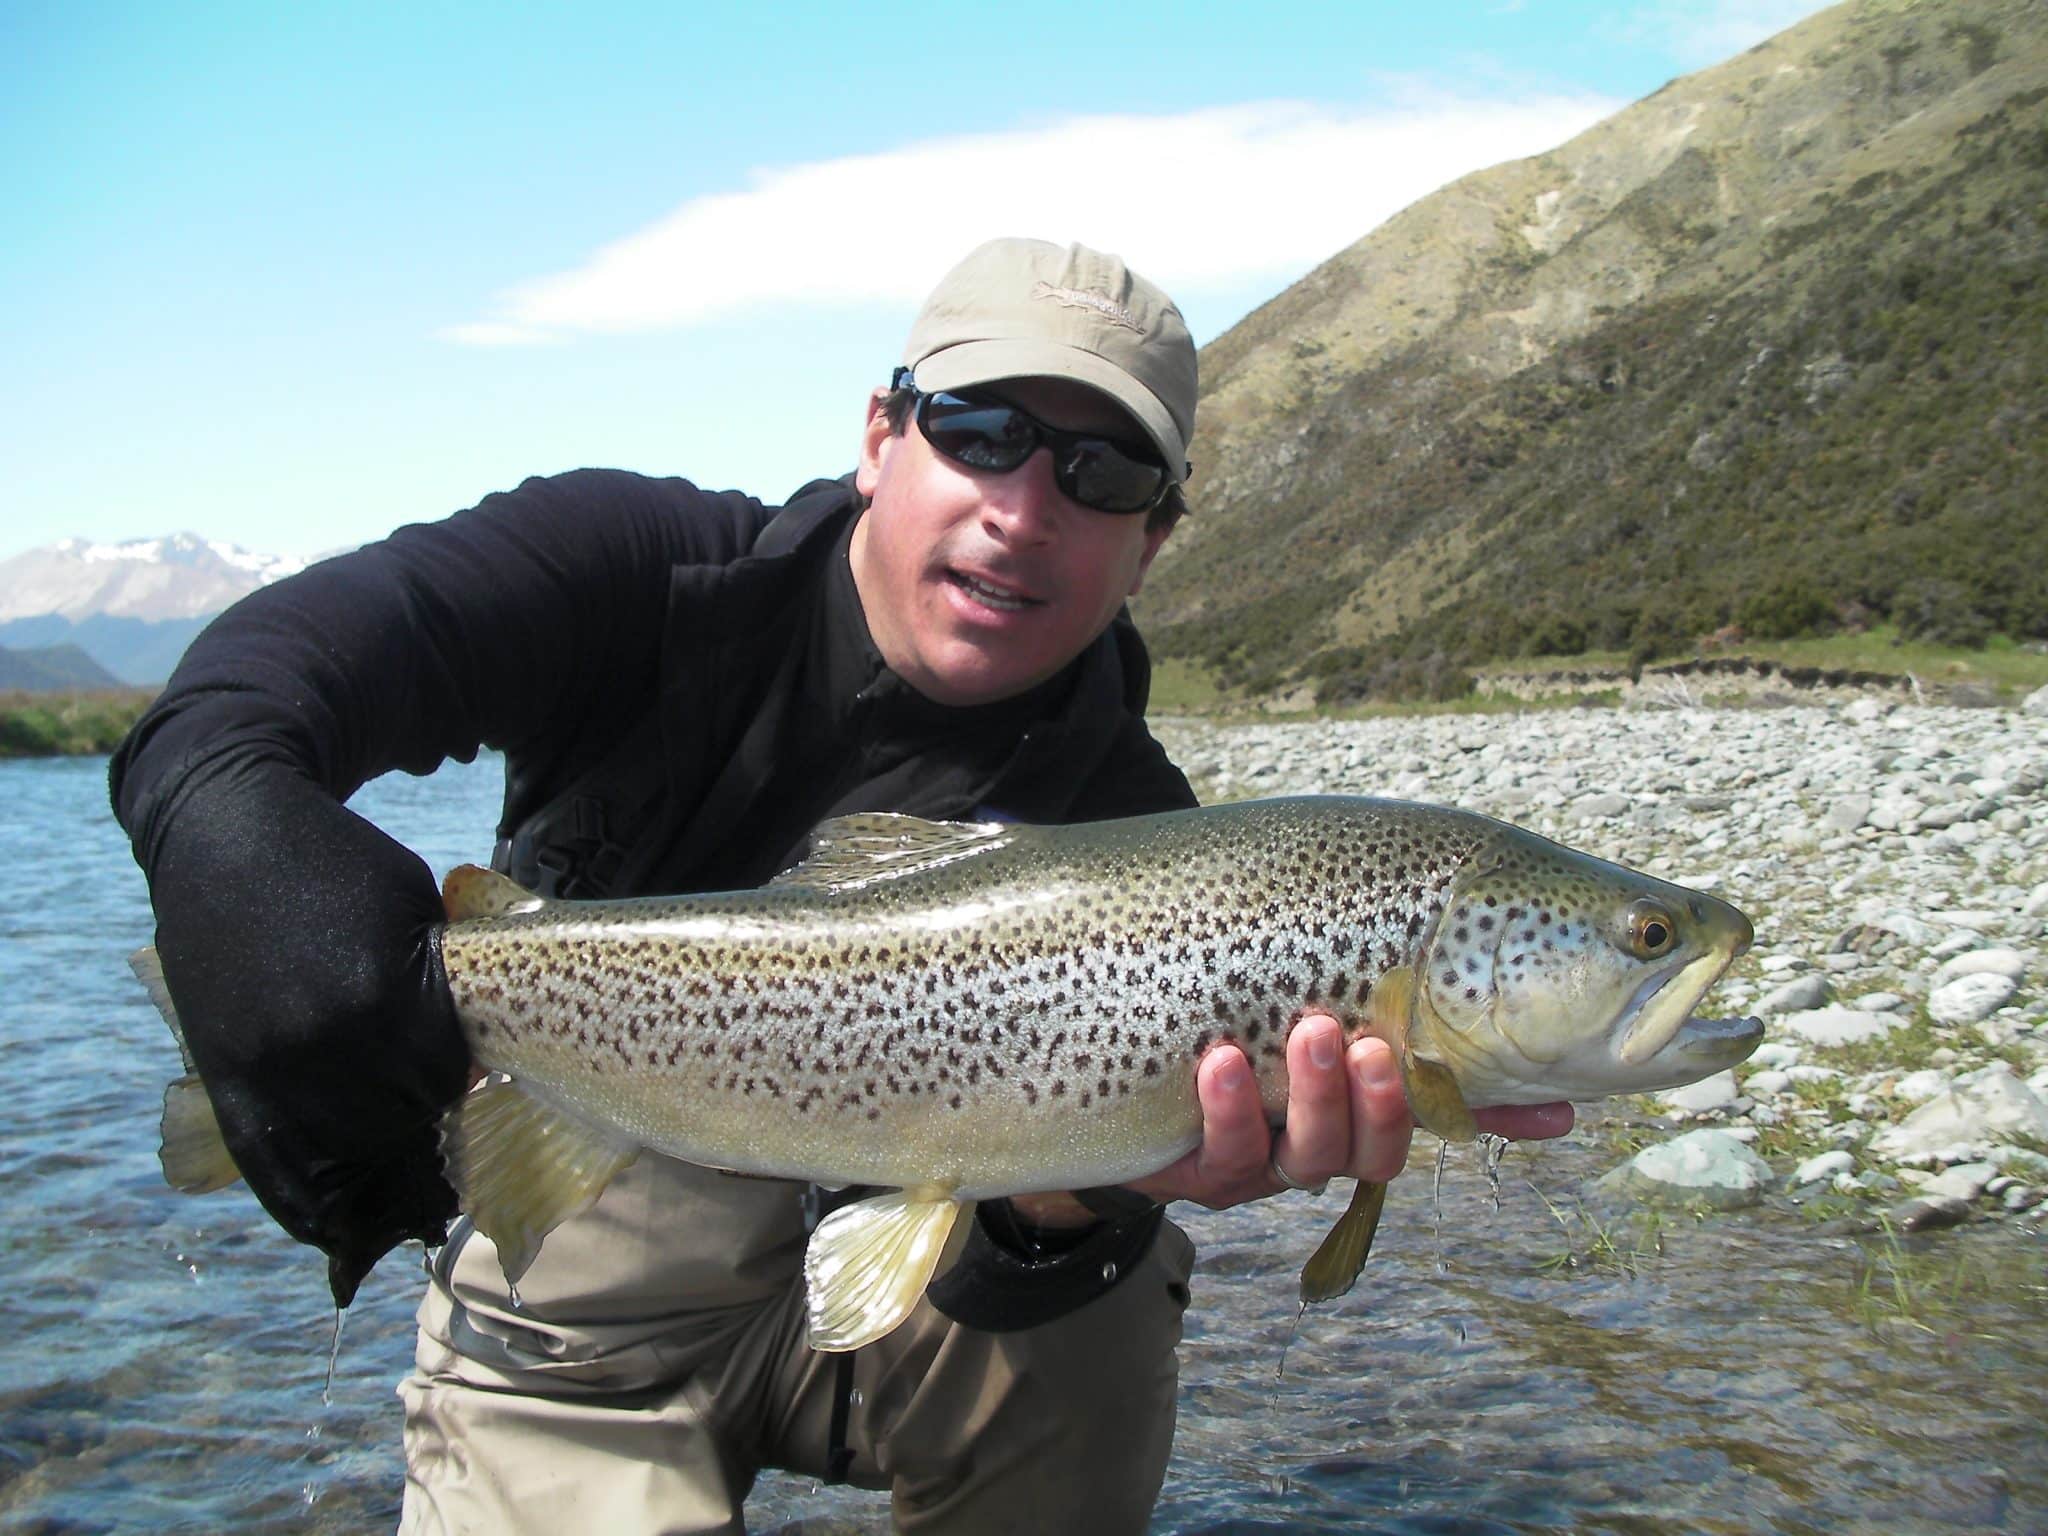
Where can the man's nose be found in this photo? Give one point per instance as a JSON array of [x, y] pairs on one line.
[[1023, 507]]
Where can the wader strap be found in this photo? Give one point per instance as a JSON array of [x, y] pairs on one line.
[[838, 1454]]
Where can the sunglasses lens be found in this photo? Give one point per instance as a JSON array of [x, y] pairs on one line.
[[1099, 474], [981, 435]]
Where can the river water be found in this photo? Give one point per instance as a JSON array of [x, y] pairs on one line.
[[1549, 1365]]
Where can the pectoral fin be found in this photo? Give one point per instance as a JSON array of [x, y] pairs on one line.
[[1433, 1093], [1334, 1268], [868, 1264], [521, 1168], [1434, 1096]]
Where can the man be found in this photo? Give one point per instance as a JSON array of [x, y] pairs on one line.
[[682, 684]]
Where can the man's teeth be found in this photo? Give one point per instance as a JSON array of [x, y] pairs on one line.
[[995, 597]]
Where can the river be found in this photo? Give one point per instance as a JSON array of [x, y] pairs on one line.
[[1552, 1364]]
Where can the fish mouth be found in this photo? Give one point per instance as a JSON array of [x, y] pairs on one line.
[[1661, 1011]]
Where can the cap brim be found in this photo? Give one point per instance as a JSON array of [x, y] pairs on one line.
[[985, 362]]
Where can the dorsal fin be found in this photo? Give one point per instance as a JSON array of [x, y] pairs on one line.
[[473, 891], [849, 852]]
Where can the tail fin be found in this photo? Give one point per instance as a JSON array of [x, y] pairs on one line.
[[194, 1155]]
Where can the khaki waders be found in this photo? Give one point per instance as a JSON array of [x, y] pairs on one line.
[[604, 1403]]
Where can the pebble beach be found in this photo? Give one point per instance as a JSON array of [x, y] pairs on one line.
[[1894, 859]]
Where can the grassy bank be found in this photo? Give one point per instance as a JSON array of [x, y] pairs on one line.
[[68, 724], [2000, 669]]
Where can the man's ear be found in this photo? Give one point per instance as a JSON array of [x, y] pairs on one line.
[[875, 438], [1154, 537]]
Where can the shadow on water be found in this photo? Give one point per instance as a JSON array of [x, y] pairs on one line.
[[164, 1358]]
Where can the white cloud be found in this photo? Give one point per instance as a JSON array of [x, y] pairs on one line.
[[1698, 33], [1198, 201]]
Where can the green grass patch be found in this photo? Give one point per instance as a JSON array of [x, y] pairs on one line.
[[68, 724], [1933, 1290], [1623, 1246], [2001, 665]]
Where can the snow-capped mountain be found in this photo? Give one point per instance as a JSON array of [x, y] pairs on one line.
[[181, 576], [132, 607]]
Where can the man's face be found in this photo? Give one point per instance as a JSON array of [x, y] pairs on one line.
[[979, 585]]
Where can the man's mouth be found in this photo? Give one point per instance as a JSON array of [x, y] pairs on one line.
[[993, 594]]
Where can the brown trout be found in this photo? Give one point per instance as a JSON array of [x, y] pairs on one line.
[[958, 1012]]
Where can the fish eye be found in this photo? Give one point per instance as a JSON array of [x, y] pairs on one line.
[[1651, 930]]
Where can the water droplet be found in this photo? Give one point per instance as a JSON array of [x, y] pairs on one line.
[[512, 1291], [853, 1398], [1436, 1204], [1109, 1274], [1491, 1150], [333, 1356]]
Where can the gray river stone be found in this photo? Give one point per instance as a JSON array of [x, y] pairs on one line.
[[1919, 1087], [1709, 1093], [1823, 1167], [1984, 1106], [1924, 1213], [1970, 998], [1847, 814], [2009, 963], [1838, 1026], [1699, 1168], [1602, 807], [1796, 996], [1965, 1181]]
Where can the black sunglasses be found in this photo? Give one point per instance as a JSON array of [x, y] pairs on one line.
[[982, 432]]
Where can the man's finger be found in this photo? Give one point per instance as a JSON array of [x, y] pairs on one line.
[[1316, 1141], [1235, 1139], [1526, 1122], [1381, 1124]]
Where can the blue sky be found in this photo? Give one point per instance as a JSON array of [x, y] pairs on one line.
[[292, 275]]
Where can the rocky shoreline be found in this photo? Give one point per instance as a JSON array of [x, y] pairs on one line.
[[1894, 858]]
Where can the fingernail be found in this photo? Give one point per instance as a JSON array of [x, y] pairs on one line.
[[1376, 1069], [1233, 1076], [1322, 1048]]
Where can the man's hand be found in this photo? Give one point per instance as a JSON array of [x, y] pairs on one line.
[[1346, 1115], [299, 943]]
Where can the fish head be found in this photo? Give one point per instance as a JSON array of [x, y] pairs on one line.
[[1555, 975]]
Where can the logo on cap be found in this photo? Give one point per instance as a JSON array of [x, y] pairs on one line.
[[1075, 298]]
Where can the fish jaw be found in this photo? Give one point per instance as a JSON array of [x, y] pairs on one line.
[[1699, 1048]]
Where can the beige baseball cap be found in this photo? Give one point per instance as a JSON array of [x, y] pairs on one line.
[[1016, 309]]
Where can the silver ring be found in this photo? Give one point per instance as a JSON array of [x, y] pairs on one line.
[[1273, 1164]]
